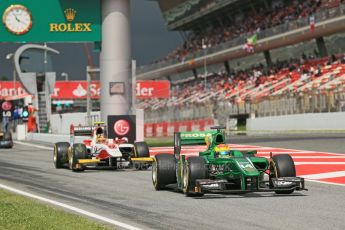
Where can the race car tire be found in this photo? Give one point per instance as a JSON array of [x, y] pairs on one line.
[[282, 166], [141, 149], [60, 154], [195, 168], [113, 162], [79, 151], [163, 171]]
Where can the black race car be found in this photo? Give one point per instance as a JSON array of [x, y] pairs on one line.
[[6, 140]]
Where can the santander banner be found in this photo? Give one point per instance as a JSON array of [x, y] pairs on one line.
[[8, 90], [75, 90], [78, 89], [152, 89]]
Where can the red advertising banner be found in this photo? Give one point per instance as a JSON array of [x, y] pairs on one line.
[[78, 89], [9, 91], [152, 89], [75, 90]]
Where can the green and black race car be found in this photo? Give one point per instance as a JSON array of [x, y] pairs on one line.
[[221, 170]]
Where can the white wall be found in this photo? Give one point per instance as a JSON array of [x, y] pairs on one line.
[[140, 124], [61, 124], [310, 121], [52, 138]]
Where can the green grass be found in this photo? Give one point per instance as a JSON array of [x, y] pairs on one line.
[[160, 141], [17, 212]]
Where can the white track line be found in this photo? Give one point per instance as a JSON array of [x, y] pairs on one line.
[[319, 163], [306, 151], [328, 175], [318, 157], [33, 145], [66, 206], [325, 182], [259, 151], [300, 153]]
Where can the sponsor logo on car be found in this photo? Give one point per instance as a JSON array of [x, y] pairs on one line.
[[194, 135], [83, 128]]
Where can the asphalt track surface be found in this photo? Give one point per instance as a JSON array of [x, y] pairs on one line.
[[128, 195]]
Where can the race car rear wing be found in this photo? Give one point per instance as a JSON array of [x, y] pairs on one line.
[[81, 130], [189, 138], [195, 138]]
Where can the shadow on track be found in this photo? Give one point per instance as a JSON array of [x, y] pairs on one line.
[[239, 195]]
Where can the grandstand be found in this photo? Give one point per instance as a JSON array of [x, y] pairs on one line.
[[293, 68]]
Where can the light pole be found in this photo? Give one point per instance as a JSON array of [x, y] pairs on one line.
[[204, 47], [64, 75], [8, 57]]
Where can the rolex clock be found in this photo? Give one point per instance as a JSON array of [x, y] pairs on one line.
[[17, 19]]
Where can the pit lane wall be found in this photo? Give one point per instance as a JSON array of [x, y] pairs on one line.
[[299, 122], [51, 138], [61, 123], [60, 126]]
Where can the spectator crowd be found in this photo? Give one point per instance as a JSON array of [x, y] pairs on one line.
[[226, 86], [250, 21]]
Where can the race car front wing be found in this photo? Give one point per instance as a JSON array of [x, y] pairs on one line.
[[277, 184]]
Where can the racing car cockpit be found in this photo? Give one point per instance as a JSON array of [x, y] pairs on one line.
[[100, 138], [99, 131], [222, 151], [100, 134]]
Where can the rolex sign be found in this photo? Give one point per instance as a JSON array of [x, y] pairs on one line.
[[70, 26], [50, 21]]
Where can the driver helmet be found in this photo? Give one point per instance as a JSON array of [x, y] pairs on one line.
[[222, 150]]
